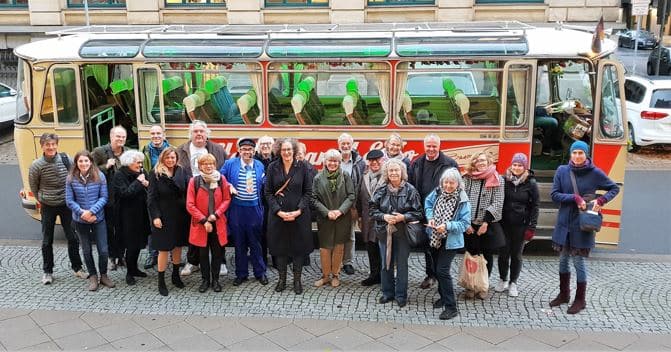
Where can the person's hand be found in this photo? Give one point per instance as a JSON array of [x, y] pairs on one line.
[[86, 214], [431, 224], [598, 203], [483, 229], [470, 230], [332, 215], [580, 202], [208, 227], [157, 223], [232, 189], [212, 218], [441, 229], [399, 217], [110, 163], [390, 219]]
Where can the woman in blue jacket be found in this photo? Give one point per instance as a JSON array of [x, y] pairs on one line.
[[86, 196], [449, 214], [567, 238]]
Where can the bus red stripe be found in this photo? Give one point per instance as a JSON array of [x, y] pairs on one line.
[[615, 225], [611, 211]]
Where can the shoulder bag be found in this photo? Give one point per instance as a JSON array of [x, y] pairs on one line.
[[590, 220]]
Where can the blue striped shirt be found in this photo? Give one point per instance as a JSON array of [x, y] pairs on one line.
[[246, 185]]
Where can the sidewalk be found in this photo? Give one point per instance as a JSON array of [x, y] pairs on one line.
[[628, 309]]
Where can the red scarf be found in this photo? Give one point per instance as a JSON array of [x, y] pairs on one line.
[[490, 176]]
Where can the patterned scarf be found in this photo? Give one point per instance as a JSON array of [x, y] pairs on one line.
[[490, 176], [372, 181], [443, 211], [516, 180], [332, 177], [211, 179]]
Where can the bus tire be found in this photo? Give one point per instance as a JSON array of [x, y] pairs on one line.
[[632, 147]]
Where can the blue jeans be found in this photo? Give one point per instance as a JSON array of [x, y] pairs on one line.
[[87, 234], [400, 251], [445, 286], [578, 263]]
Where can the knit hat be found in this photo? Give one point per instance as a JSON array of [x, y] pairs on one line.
[[579, 145], [520, 158]]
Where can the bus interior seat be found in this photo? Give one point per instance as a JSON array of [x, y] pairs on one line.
[[223, 100], [356, 110], [275, 108], [193, 105], [248, 107], [173, 98], [307, 107], [96, 77], [123, 96]]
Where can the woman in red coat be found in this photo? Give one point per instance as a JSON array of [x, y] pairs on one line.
[[207, 200]]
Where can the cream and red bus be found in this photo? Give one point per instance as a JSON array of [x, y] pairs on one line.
[[499, 87]]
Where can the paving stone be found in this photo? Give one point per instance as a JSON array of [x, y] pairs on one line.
[[81, 341], [199, 342], [435, 347], [554, 338], [208, 323], [374, 330], [373, 346], [346, 338], [316, 344], [14, 326], [120, 330], [617, 341], [105, 347], [262, 326], [493, 335], [174, 332], [24, 338], [523, 343], [585, 345], [140, 342], [46, 346], [96, 320], [43, 318], [431, 332], [259, 343], [405, 340], [13, 313], [319, 327], [288, 336], [65, 328], [231, 333], [463, 341]]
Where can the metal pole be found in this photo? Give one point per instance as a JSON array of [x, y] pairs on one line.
[[86, 12], [638, 32], [661, 5]]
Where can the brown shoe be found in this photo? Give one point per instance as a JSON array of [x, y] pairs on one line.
[[106, 281], [93, 282], [335, 282]]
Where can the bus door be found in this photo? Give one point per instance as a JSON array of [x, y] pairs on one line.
[[609, 148], [148, 92], [64, 107], [517, 99]]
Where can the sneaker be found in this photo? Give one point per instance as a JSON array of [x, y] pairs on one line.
[[512, 290], [448, 314], [501, 286], [189, 269], [223, 270], [47, 279], [348, 269], [81, 274]]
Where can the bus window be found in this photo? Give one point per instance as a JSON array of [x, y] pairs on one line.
[[329, 93], [518, 93], [150, 109], [65, 87], [448, 93], [47, 111], [217, 93], [610, 123], [23, 96]]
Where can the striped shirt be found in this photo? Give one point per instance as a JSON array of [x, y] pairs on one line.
[[246, 185]]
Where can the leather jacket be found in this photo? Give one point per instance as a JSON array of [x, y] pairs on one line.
[[407, 202]]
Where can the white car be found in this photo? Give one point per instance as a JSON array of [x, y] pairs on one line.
[[8, 105], [648, 105]]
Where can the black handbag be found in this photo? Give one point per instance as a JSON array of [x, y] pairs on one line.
[[590, 220], [495, 237], [417, 237]]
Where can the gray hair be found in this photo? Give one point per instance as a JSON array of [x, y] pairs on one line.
[[395, 136], [452, 174], [345, 136], [198, 123], [117, 128], [333, 154], [397, 162], [262, 140], [432, 136], [131, 156]]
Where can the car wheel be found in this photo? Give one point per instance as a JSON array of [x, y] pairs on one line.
[[631, 141], [649, 69]]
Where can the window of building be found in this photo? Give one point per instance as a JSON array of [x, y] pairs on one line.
[[13, 3], [169, 3], [400, 2], [97, 3], [277, 3]]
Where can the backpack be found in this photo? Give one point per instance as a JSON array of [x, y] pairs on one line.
[[66, 161], [198, 181]]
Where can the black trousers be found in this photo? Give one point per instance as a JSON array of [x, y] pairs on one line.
[[374, 259], [209, 268], [478, 245], [431, 261], [193, 255], [510, 256], [49, 214], [114, 242], [132, 256]]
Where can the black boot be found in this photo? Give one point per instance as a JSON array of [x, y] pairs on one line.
[[162, 289], [176, 280], [298, 271], [282, 280], [204, 285]]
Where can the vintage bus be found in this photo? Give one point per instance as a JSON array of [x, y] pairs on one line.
[[499, 87]]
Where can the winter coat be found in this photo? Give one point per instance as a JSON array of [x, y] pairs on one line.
[[47, 179], [184, 155], [366, 224], [146, 164], [330, 232], [416, 172], [86, 196], [521, 203], [358, 167], [407, 202], [166, 200], [456, 227], [130, 208], [486, 202], [100, 156], [197, 202], [589, 179], [231, 170], [289, 238]]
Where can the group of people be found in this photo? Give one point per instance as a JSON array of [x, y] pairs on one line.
[[267, 197]]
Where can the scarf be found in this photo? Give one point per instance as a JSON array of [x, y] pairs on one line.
[[490, 176], [211, 179], [332, 178], [443, 211], [154, 152], [516, 180], [394, 190], [586, 164], [371, 181]]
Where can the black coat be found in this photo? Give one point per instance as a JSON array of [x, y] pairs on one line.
[[418, 177], [407, 202], [166, 199], [130, 208], [292, 238], [521, 203]]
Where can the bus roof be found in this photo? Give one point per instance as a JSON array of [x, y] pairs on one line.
[[418, 40]]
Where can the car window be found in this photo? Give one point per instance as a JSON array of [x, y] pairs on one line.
[[661, 98], [4, 91], [633, 91]]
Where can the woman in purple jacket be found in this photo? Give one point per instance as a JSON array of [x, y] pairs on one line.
[[568, 239], [86, 196]]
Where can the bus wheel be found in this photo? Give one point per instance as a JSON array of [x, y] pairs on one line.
[[632, 147]]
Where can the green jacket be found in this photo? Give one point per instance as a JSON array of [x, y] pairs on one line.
[[331, 232]]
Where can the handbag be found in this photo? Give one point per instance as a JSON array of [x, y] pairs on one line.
[[590, 220], [473, 273], [495, 237], [417, 237]]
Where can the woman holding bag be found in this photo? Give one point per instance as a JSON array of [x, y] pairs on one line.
[[449, 214], [484, 187], [520, 214], [568, 239]]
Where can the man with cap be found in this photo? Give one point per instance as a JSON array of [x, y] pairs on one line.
[[370, 182], [245, 215]]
